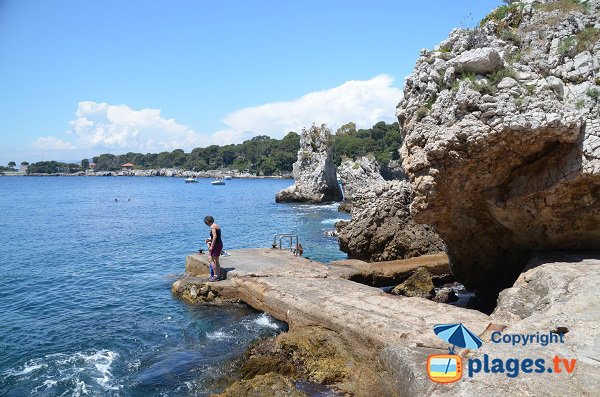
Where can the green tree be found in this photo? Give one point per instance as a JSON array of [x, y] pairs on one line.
[[24, 163], [11, 164], [347, 129], [85, 164]]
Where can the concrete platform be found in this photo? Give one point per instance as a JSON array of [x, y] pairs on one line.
[[257, 262]]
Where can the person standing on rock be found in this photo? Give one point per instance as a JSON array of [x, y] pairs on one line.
[[216, 246]]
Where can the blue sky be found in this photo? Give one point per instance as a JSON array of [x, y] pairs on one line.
[[83, 77]]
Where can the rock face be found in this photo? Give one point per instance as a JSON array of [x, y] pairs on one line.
[[502, 138], [393, 170], [382, 229], [362, 173], [314, 171]]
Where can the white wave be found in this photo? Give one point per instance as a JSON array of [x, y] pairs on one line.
[[70, 369], [312, 207], [29, 367], [79, 391], [264, 320], [218, 335], [102, 361], [331, 221]]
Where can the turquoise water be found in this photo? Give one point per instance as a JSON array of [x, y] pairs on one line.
[[85, 301]]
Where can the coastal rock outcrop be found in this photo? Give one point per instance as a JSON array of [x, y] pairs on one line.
[[502, 138], [361, 173], [382, 228], [315, 180]]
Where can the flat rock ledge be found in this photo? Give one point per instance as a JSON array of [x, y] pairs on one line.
[[394, 334]]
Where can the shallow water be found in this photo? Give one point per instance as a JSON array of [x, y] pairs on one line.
[[85, 301]]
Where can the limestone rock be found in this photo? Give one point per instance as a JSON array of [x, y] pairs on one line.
[[315, 180], [478, 60], [506, 161], [382, 229], [393, 170], [361, 173], [419, 284]]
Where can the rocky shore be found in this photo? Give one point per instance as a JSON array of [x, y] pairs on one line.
[[172, 172], [366, 342]]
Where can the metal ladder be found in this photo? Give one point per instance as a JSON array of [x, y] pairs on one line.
[[295, 249]]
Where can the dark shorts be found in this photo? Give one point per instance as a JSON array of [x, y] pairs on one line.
[[215, 250]]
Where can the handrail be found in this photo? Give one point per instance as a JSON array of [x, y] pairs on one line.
[[291, 237]]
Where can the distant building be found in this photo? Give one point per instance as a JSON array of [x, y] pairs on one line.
[[127, 167], [23, 168], [93, 166]]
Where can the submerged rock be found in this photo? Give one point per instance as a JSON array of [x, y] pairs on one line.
[[502, 139], [382, 228], [267, 385], [446, 295], [419, 284], [315, 180]]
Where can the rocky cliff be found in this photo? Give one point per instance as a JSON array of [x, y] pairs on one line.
[[502, 138], [358, 174], [382, 228], [314, 171]]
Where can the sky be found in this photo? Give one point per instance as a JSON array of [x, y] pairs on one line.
[[83, 77]]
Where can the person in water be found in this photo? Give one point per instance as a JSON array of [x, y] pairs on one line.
[[216, 246]]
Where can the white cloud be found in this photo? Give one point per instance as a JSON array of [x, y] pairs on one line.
[[118, 128], [52, 144], [364, 102]]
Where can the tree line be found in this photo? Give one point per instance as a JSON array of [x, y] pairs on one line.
[[260, 155]]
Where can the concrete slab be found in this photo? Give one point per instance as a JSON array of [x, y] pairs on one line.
[[258, 262]]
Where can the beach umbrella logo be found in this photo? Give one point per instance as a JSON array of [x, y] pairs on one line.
[[457, 335], [447, 368]]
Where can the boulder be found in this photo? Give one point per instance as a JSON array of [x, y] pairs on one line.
[[507, 162], [315, 180], [419, 284], [478, 60], [382, 228]]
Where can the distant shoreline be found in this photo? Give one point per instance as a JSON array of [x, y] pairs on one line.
[[155, 173]]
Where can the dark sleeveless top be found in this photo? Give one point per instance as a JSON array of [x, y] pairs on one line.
[[218, 240]]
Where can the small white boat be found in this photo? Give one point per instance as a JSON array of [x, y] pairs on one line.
[[227, 177], [191, 180], [217, 182]]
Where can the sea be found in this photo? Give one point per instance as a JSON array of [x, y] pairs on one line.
[[86, 267]]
